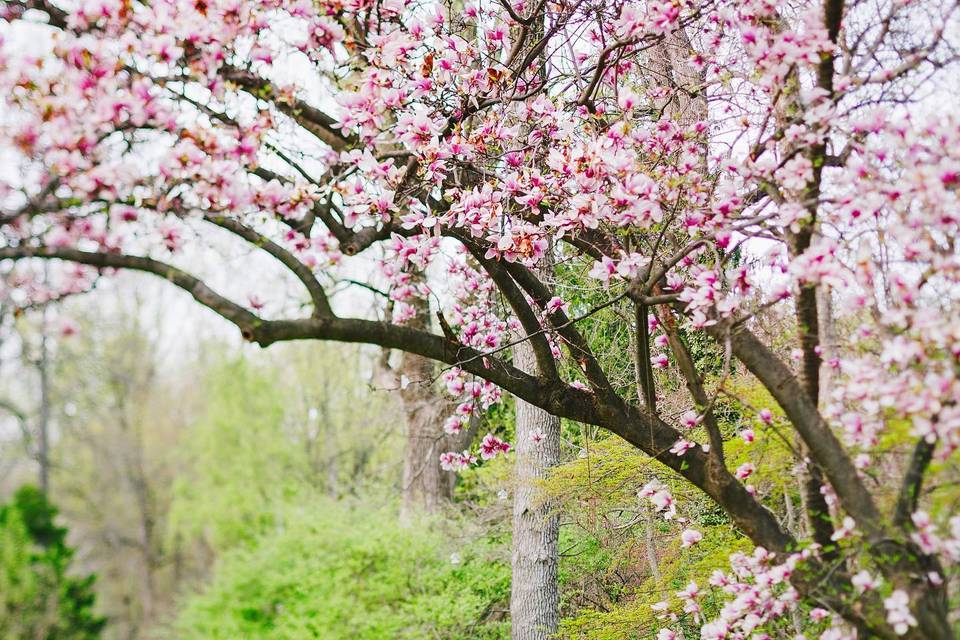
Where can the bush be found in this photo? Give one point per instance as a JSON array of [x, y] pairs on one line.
[[37, 597], [336, 572]]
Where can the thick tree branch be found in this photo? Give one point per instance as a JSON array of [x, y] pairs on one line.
[[909, 494], [577, 344], [637, 427], [563, 400], [825, 449], [531, 324], [245, 320], [642, 356], [655, 437]]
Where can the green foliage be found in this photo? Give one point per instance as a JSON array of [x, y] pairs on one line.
[[708, 357], [773, 450], [268, 443], [607, 583], [333, 571], [37, 597], [239, 461], [607, 328], [272, 433]]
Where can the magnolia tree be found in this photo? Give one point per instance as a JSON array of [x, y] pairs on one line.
[[704, 162]]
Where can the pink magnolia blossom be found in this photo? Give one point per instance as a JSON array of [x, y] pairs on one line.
[[690, 537], [863, 581], [492, 446], [898, 612], [681, 446]]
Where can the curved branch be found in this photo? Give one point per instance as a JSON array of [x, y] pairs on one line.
[[244, 320], [693, 380], [913, 481], [655, 437], [531, 325], [321, 305], [563, 400], [578, 346], [823, 445], [637, 427], [320, 124]]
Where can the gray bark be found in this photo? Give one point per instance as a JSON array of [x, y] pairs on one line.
[[651, 547], [534, 600], [43, 427], [828, 341]]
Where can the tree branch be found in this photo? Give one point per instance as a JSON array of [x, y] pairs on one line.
[[637, 427], [563, 400], [825, 449], [306, 115], [321, 305], [531, 324], [688, 370], [913, 481], [245, 320]]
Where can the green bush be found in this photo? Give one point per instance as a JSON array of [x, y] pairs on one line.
[[331, 571], [37, 597]]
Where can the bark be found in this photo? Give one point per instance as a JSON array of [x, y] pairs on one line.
[[426, 487], [534, 600], [647, 394], [932, 612], [828, 341], [794, 526], [43, 428], [669, 62], [791, 524], [651, 548], [809, 330], [802, 412]]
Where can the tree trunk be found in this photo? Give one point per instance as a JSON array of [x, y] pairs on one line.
[[828, 342], [43, 427], [534, 601], [426, 487], [651, 548]]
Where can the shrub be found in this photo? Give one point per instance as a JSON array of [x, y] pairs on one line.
[[37, 597], [334, 571]]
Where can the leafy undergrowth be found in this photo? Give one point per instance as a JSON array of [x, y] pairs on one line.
[[332, 572]]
